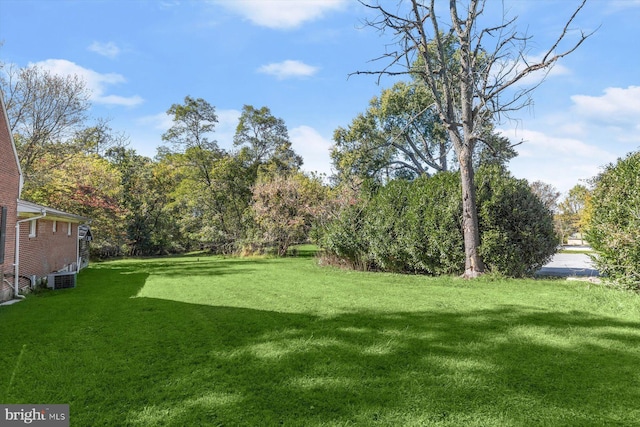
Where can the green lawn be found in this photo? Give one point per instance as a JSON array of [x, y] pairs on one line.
[[202, 340]]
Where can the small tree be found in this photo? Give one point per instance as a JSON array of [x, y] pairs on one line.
[[516, 227], [284, 209], [574, 210]]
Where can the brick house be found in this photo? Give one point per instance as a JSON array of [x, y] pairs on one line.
[[10, 187], [48, 240]]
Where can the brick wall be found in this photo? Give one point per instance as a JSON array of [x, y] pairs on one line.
[[9, 189], [47, 251]]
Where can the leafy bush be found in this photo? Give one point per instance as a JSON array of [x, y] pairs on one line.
[[614, 228], [416, 227], [385, 226], [516, 228], [433, 230], [344, 239]]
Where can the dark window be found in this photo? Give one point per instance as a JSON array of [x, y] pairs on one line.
[[3, 231]]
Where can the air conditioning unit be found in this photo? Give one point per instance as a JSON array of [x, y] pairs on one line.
[[61, 280]]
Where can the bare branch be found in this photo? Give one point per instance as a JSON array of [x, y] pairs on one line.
[[548, 60]]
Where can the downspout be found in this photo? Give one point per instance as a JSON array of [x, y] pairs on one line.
[[78, 248], [16, 264]]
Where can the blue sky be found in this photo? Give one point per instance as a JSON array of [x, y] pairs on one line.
[[139, 57]]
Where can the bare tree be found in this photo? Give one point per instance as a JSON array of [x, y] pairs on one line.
[[45, 111], [471, 84], [547, 193]]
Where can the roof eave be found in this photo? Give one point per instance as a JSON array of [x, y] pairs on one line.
[[29, 209]]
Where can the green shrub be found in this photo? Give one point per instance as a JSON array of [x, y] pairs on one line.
[[385, 226], [516, 228], [416, 227], [614, 226], [344, 239], [433, 229]]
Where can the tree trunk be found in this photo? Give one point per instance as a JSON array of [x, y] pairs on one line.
[[443, 156], [474, 266]]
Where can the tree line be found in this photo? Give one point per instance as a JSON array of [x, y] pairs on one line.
[[196, 195], [191, 195]]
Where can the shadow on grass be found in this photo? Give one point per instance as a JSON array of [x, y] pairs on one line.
[[119, 360], [304, 251], [188, 266]]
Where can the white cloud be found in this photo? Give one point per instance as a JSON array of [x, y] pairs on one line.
[[560, 161], [96, 82], [573, 145], [621, 5], [540, 144], [617, 105], [288, 69], [313, 147], [125, 101], [160, 121], [168, 4], [511, 68], [282, 14], [109, 49]]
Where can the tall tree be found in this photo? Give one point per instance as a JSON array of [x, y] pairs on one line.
[[193, 123], [470, 87], [361, 150], [87, 185], [99, 138], [398, 136], [264, 141], [146, 193], [214, 188]]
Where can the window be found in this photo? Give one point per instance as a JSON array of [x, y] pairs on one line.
[[33, 227], [68, 229], [55, 225]]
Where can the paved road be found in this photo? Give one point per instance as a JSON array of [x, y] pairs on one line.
[[569, 265]]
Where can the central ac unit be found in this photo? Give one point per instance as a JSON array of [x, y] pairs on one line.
[[61, 280]]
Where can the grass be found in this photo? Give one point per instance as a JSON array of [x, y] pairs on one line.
[[219, 341]]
